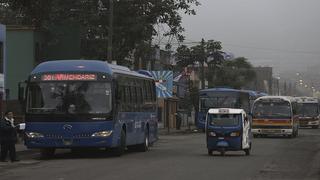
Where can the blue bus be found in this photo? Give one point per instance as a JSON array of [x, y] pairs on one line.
[[223, 98], [89, 103]]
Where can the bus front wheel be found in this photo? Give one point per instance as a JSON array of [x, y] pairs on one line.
[[118, 151]]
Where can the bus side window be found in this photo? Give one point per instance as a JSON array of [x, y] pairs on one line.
[[127, 98], [148, 92], [153, 87], [154, 95], [122, 100], [133, 96], [294, 108], [139, 95], [151, 90]]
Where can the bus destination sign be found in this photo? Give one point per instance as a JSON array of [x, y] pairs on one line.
[[69, 77]]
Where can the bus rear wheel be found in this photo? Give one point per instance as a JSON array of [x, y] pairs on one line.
[[47, 152], [315, 127], [145, 145]]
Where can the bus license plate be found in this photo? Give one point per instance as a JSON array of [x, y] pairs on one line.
[[222, 144], [272, 131], [67, 142]]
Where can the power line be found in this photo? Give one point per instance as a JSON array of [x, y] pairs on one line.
[[274, 49], [256, 48]]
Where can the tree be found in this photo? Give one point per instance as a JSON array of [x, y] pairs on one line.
[[235, 73], [220, 72], [214, 60], [133, 21], [183, 57], [205, 53]]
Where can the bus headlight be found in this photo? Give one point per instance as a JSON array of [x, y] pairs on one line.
[[102, 134], [213, 134], [235, 134], [34, 135]]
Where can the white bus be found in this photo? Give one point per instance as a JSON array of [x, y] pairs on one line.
[[308, 112]]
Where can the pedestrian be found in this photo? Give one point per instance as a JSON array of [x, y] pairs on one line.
[[8, 136], [178, 120]]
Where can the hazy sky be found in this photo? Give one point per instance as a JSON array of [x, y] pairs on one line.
[[284, 34]]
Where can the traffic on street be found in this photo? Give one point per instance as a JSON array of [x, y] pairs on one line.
[[179, 156], [159, 89]]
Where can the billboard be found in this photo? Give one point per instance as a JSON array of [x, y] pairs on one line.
[[164, 83]]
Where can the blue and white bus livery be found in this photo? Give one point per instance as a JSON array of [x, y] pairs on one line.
[[89, 103]]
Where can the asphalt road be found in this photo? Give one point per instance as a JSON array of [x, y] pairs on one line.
[[182, 157]]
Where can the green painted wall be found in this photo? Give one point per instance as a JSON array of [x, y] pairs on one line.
[[21, 51], [20, 59]]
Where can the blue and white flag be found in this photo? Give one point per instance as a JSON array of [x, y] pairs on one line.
[[164, 83], [227, 55]]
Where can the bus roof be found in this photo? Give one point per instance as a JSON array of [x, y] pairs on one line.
[[225, 111], [307, 99], [220, 89], [250, 92], [285, 98], [84, 66]]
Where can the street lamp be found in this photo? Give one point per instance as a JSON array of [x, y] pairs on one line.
[[278, 84]]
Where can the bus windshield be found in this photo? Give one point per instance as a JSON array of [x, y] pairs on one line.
[[272, 110], [308, 109], [69, 97], [218, 102], [225, 100], [224, 119]]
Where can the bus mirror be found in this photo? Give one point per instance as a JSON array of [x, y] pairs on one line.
[[21, 91]]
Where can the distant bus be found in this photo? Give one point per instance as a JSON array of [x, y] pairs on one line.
[[275, 115], [223, 98], [308, 112], [89, 103]]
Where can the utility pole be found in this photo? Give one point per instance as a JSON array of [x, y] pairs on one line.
[[278, 85], [110, 32], [203, 59]]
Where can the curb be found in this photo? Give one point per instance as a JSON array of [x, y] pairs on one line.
[[178, 132]]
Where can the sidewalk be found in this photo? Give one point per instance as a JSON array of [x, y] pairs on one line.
[[21, 147], [182, 130]]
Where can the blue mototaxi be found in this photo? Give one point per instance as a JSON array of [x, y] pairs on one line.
[[228, 129]]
